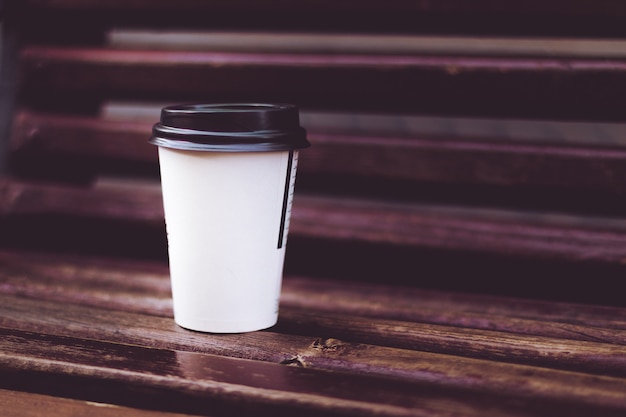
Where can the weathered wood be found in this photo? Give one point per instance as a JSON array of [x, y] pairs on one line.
[[82, 137], [444, 314], [191, 382], [604, 7], [74, 278], [24, 404], [350, 43], [475, 310], [492, 231], [112, 203], [437, 227], [451, 83], [607, 359], [466, 160], [579, 18], [422, 158], [566, 349], [100, 279], [314, 353], [99, 329], [93, 280]]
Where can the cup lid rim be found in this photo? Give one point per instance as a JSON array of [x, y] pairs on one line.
[[230, 127]]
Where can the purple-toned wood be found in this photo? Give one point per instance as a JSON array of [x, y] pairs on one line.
[[94, 329], [197, 383], [422, 158], [57, 303], [85, 280], [505, 233], [460, 309], [52, 20], [107, 203], [522, 87], [82, 137], [576, 7], [25, 404]]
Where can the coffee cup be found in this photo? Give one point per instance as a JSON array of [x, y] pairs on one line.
[[227, 177]]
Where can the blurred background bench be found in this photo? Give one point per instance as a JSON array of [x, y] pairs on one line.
[[461, 211]]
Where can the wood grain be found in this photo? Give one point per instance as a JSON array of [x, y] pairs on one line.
[[83, 332], [421, 158], [24, 404], [191, 382], [55, 324], [572, 238], [331, 354], [605, 7], [113, 203], [102, 282], [474, 310], [346, 43], [436, 227], [451, 83], [82, 136], [577, 347]]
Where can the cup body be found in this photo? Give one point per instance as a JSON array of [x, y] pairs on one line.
[[227, 176], [227, 218]]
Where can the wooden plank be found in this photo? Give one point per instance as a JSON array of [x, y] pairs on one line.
[[190, 382], [553, 7], [454, 308], [82, 137], [362, 43], [465, 160], [436, 370], [69, 278], [523, 87], [555, 18], [94, 280], [580, 350], [521, 348], [510, 233], [422, 158], [578, 356], [108, 203], [24, 404], [436, 227]]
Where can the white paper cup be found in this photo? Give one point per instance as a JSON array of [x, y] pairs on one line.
[[227, 175]]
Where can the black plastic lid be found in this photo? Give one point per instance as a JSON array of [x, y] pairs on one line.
[[236, 127]]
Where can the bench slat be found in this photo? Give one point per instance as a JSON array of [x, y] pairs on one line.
[[25, 198], [561, 88], [565, 354], [200, 383], [421, 158], [602, 359], [359, 43], [82, 136], [551, 8], [131, 328], [92, 280], [316, 353], [509, 233], [24, 404], [561, 352], [389, 218], [479, 311]]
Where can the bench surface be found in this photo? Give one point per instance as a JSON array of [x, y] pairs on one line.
[[457, 244], [82, 333]]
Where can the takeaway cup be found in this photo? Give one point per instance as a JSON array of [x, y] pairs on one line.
[[227, 176]]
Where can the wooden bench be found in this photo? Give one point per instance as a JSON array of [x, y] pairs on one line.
[[458, 238]]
